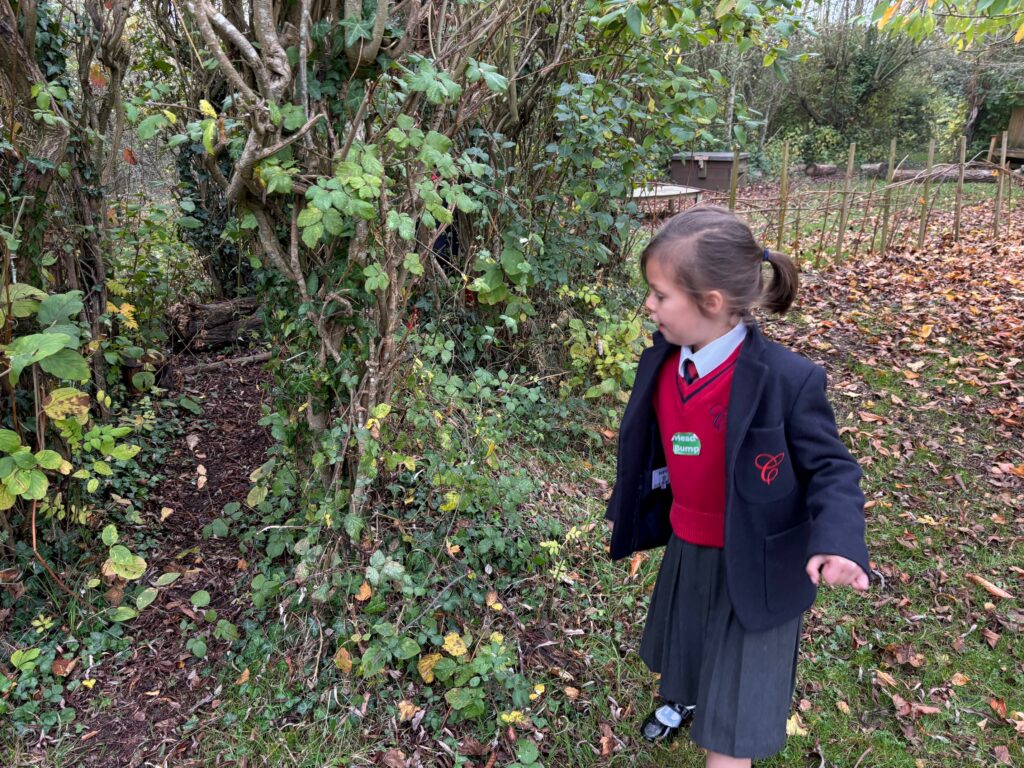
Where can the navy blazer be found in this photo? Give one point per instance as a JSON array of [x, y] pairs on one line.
[[779, 421]]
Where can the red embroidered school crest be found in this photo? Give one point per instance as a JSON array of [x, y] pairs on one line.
[[769, 466]]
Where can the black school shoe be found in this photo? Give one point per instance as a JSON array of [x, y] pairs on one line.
[[657, 732]]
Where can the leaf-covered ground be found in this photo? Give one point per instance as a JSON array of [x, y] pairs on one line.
[[924, 351]]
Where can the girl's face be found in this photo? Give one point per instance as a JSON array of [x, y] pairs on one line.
[[677, 315]]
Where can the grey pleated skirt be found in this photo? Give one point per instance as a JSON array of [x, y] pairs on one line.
[[741, 682]]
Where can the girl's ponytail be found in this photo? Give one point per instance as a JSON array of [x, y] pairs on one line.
[[781, 291]]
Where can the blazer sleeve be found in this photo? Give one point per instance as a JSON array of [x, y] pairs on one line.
[[830, 475]]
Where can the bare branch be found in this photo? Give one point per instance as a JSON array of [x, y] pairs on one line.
[[199, 10]]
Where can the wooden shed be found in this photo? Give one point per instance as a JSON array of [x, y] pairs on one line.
[[1015, 137], [706, 170]]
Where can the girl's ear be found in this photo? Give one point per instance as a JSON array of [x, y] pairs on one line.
[[714, 302]]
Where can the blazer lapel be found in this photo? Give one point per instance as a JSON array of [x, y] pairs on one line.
[[747, 385], [646, 374]]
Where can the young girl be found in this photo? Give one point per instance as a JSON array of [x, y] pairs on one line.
[[729, 453]]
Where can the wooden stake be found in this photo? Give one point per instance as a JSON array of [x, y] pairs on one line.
[[887, 198], [846, 202], [783, 195], [734, 176], [796, 237], [824, 226], [1000, 179], [960, 189], [924, 196]]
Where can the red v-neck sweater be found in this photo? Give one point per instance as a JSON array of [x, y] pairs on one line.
[[692, 419]]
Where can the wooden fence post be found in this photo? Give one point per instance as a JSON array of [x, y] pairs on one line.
[[960, 189], [846, 201], [1000, 179], [824, 226], [796, 237], [734, 176], [924, 196], [887, 198], [783, 195]]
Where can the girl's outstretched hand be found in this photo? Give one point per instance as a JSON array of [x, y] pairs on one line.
[[835, 570]]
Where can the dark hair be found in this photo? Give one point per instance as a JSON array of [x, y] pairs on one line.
[[709, 248]]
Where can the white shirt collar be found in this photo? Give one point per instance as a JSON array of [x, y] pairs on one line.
[[713, 354]]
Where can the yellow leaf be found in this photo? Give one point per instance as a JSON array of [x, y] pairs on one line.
[[515, 717], [243, 678], [451, 501], [88, 683], [454, 644], [343, 660], [171, 117], [365, 592], [889, 13], [926, 331], [492, 601], [207, 109], [1020, 34], [426, 666], [497, 637], [794, 726], [960, 679], [406, 710], [165, 512]]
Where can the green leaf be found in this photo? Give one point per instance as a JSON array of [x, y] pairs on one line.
[[460, 698], [256, 496], [102, 468], [311, 235], [188, 222], [310, 215], [123, 613], [190, 405], [412, 263], [49, 459], [167, 579], [225, 630], [407, 649], [33, 348], [526, 751], [60, 307], [109, 535], [217, 528], [66, 364], [124, 564], [9, 441], [376, 278], [148, 128], [143, 380], [30, 484], [71, 331], [197, 646], [145, 598], [125, 451], [200, 599]]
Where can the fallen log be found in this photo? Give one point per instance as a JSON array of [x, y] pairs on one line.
[[819, 169], [231, 361], [211, 326], [939, 173]]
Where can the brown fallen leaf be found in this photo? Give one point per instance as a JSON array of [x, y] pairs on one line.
[[63, 667], [572, 693], [607, 740], [885, 678], [365, 592], [991, 637], [635, 562], [989, 587], [1002, 754], [343, 660], [243, 678], [960, 679], [998, 706], [393, 758], [406, 710], [165, 512], [870, 417], [843, 707]]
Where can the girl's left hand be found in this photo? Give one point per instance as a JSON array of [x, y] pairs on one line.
[[835, 570]]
